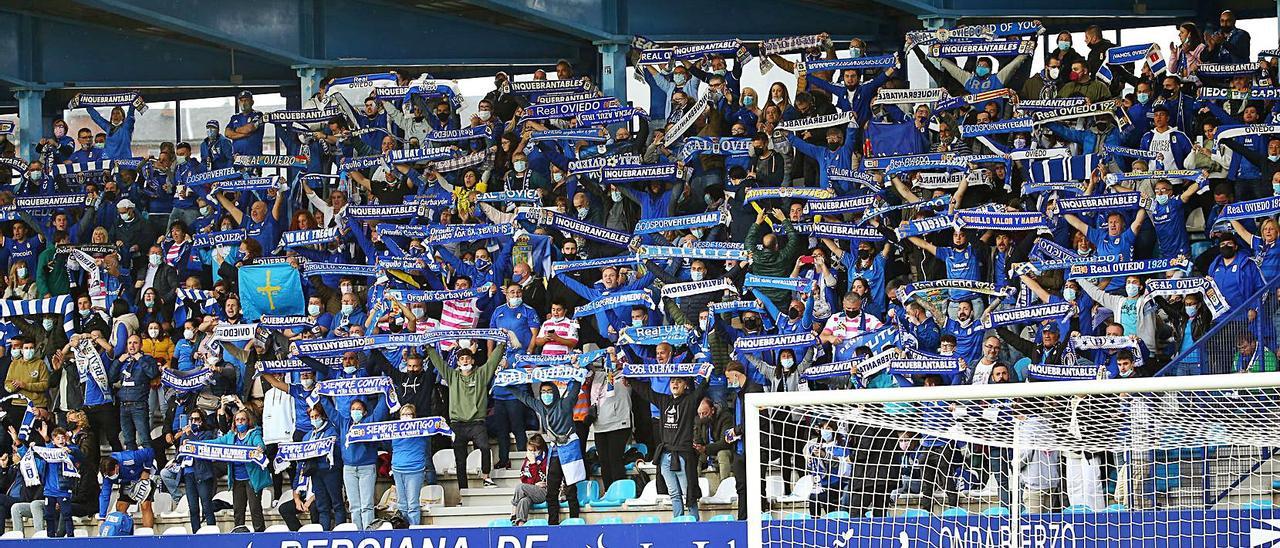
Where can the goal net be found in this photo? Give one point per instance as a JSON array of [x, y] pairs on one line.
[[1118, 463]]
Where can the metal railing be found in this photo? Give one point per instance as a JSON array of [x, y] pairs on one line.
[[1216, 351]]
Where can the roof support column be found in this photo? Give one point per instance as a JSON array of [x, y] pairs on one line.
[[30, 120], [613, 69]]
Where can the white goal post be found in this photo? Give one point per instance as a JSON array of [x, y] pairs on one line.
[[1191, 461]]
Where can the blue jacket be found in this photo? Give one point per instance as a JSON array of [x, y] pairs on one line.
[[356, 454], [259, 478], [119, 143], [329, 430], [841, 157], [132, 465], [556, 418], [134, 377], [51, 474]]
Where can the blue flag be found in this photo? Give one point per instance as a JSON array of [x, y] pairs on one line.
[[270, 290], [895, 139]]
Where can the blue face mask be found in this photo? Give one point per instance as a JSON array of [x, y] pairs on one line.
[[1190, 310], [242, 428], [317, 423], [357, 414], [349, 369], [548, 398], [1144, 97], [748, 101], [982, 71]]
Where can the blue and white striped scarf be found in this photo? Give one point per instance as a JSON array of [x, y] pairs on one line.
[[1129, 268], [61, 305], [183, 382], [464, 134], [535, 87], [640, 173], [337, 269], [663, 224], [302, 238], [765, 343], [969, 219], [529, 375], [838, 174], [798, 285], [580, 228], [665, 370], [357, 386], [615, 300], [396, 430], [558, 267], [292, 451], [786, 192], [429, 296], [221, 452], [214, 176], [704, 253]]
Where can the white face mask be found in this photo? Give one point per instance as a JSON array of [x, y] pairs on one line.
[[466, 368], [154, 332], [188, 334], [484, 115]]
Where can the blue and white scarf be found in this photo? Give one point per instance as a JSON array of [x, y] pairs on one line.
[[1119, 201], [183, 383], [359, 163], [380, 211], [686, 289], [1015, 125], [670, 334], [986, 288], [555, 98], [337, 269], [685, 222], [1182, 174], [1109, 106], [428, 296], [610, 116], [804, 66], [573, 135], [970, 33], [819, 121], [924, 162], [419, 155], [265, 160], [1225, 70], [394, 430], [558, 267], [1130, 268], [286, 322], [732, 47], [410, 231], [464, 134], [89, 364], [554, 373], [1263, 207], [840, 205], [593, 166], [221, 452], [788, 44], [569, 109], [840, 231], [615, 300], [764, 343], [214, 176], [302, 116], [969, 219], [59, 201], [838, 174], [291, 451], [580, 228], [910, 96], [301, 238], [725, 146], [729, 307], [1213, 297], [6, 127], [358, 386], [941, 202], [518, 196], [247, 184], [665, 370], [704, 253], [1063, 372], [787, 192], [640, 173], [117, 99], [927, 225], [535, 87], [62, 305], [1068, 187], [1254, 94], [1239, 130], [917, 366], [467, 233], [1028, 314], [994, 48]]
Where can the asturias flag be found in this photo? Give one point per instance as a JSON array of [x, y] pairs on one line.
[[271, 290]]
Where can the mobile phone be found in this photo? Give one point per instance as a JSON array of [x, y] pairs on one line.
[[807, 259]]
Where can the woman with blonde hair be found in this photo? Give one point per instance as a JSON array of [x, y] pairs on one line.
[[20, 283], [247, 479]]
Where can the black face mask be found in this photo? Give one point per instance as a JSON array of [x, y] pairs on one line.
[[864, 254], [1227, 251], [794, 313], [751, 324], [959, 247], [850, 313], [833, 146]]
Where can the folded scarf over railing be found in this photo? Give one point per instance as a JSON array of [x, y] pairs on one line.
[[358, 386], [909, 96], [581, 228], [788, 44], [840, 231], [292, 451], [665, 370], [973, 32], [184, 382], [117, 99], [429, 296], [684, 222], [214, 176], [1179, 287], [554, 373], [670, 334], [338, 269], [764, 343], [704, 253], [986, 288], [840, 205], [941, 202], [968, 219], [593, 166], [1118, 201], [725, 146], [610, 116], [1130, 268], [570, 109], [1028, 314], [837, 174], [641, 173], [558, 267], [534, 87], [221, 452], [401, 429], [1064, 372], [787, 192], [615, 300], [302, 116], [805, 66], [286, 322], [819, 121], [1251, 209], [798, 285], [463, 134], [685, 289], [994, 48]]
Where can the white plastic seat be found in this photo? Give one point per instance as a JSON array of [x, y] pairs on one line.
[[224, 496], [209, 530], [774, 487], [268, 501], [80, 533], [175, 530], [285, 496], [348, 526], [277, 528], [473, 462], [801, 490], [163, 503], [726, 492], [311, 528], [648, 496], [11, 534], [445, 462], [386, 526], [180, 509], [144, 532], [431, 495], [40, 534]]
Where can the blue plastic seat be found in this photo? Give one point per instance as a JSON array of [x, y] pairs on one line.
[[588, 492], [996, 511], [766, 516], [500, 522], [1078, 509], [619, 491], [536, 522], [916, 513], [795, 516], [837, 514], [723, 517], [685, 519], [1117, 507], [611, 520], [648, 519], [540, 506], [1259, 504], [954, 512], [1275, 484], [574, 521]]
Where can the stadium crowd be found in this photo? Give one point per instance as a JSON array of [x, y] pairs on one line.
[[622, 278]]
